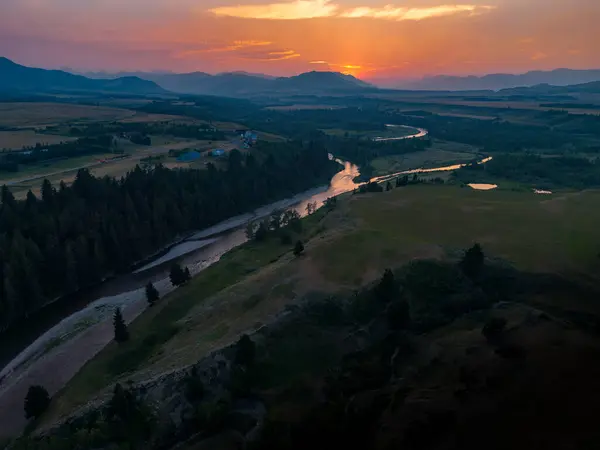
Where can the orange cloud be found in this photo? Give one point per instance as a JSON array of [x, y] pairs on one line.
[[237, 45], [299, 9], [391, 12], [310, 9]]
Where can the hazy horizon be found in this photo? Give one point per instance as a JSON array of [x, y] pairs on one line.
[[370, 39]]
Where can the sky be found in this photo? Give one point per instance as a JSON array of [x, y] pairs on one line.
[[372, 39]]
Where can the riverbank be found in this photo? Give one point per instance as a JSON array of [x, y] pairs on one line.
[[59, 354]]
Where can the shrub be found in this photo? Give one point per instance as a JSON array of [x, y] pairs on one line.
[[36, 402]]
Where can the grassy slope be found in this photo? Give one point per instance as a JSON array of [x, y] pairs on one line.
[[350, 247], [441, 153]]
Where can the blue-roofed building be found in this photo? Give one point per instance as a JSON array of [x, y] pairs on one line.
[[218, 152], [189, 156], [249, 137]]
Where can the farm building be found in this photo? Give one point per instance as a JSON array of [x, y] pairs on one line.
[[218, 152], [249, 137], [189, 156]]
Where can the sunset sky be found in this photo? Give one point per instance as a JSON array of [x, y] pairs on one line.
[[368, 38]]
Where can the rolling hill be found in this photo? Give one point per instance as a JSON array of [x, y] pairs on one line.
[[15, 77]]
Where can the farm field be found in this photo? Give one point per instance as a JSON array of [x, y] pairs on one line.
[[15, 140], [26, 115], [99, 165], [347, 248]]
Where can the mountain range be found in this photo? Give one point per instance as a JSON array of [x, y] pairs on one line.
[[15, 77], [240, 84], [546, 89], [558, 77]]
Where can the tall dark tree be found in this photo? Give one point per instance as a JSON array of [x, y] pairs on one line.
[[388, 289], [120, 328], [245, 351], [473, 261], [298, 248], [178, 275], [36, 402], [152, 295]]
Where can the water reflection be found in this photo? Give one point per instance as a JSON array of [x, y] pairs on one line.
[[482, 186]]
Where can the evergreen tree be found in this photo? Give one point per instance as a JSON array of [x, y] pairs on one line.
[[298, 248], [121, 332], [473, 261], [387, 290], [152, 295], [36, 402], [179, 276], [245, 351], [388, 186]]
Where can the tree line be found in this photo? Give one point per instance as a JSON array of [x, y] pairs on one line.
[[75, 236], [201, 131], [10, 160]]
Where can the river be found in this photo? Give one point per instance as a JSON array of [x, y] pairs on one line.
[[198, 251]]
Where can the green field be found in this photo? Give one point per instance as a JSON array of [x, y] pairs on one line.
[[347, 248]]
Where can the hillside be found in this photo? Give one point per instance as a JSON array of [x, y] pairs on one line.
[[558, 77], [436, 354], [241, 84], [15, 77]]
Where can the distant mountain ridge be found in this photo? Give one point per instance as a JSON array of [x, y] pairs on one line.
[[557, 77], [546, 89], [15, 77], [240, 84]]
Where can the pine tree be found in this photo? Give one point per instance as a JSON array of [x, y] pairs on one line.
[[179, 276], [473, 261], [298, 248], [121, 333], [152, 294]]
